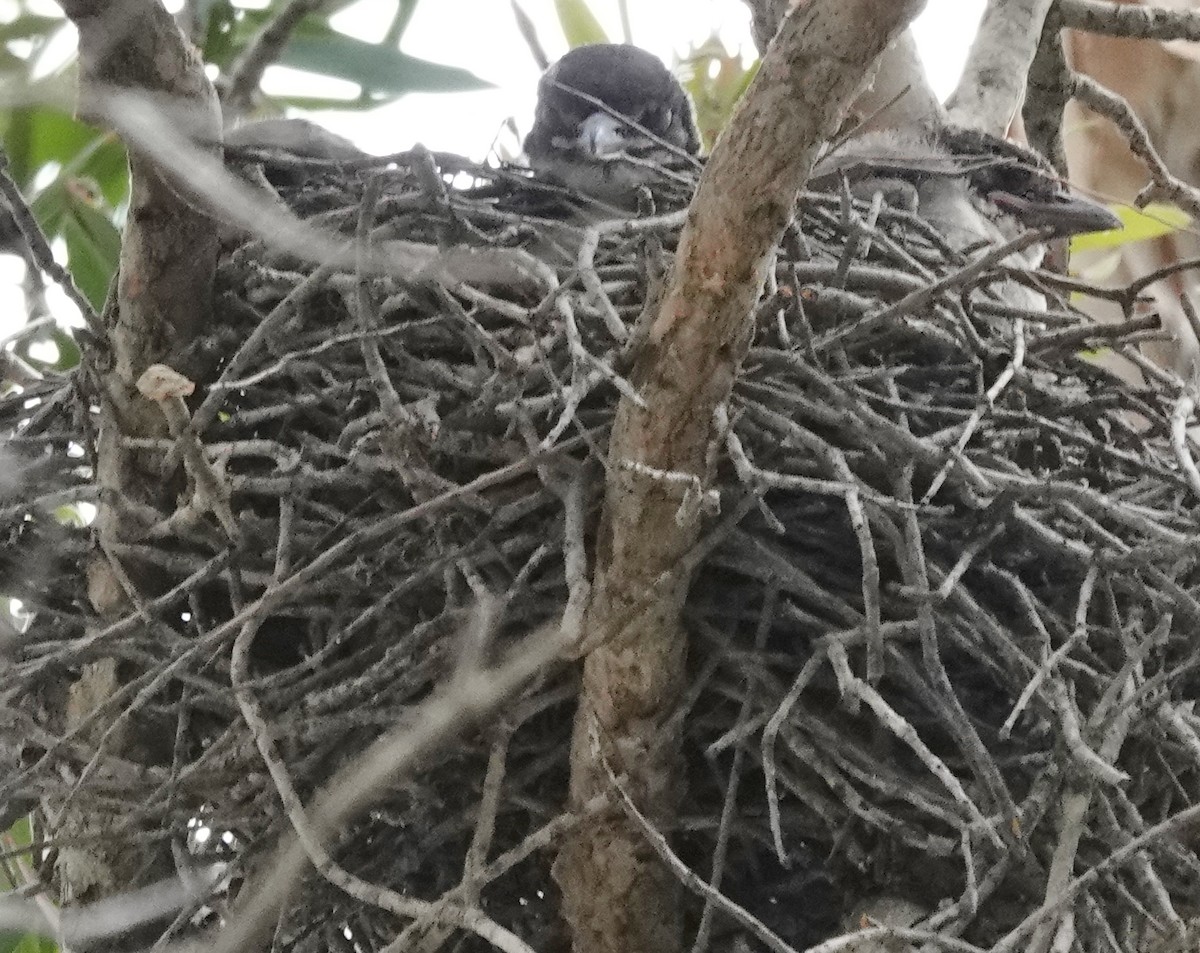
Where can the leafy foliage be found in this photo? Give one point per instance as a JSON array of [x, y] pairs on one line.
[[380, 70], [76, 176], [715, 78], [579, 24]]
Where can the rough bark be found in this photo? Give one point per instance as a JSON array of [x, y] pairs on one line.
[[160, 300], [169, 249], [1046, 96], [898, 94], [993, 82], [1131, 20], [616, 894], [765, 17]]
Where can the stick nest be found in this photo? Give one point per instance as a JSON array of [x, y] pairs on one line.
[[945, 619]]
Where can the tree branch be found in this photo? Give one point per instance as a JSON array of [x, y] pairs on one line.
[[247, 71], [1163, 185], [993, 82], [169, 250], [897, 95], [162, 299], [1130, 20], [617, 896], [1046, 95]]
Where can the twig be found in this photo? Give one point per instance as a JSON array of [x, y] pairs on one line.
[[1162, 183], [39, 248]]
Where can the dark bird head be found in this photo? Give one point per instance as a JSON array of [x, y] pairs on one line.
[[1023, 185], [610, 117], [971, 185]]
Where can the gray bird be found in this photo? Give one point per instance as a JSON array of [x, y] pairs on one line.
[[611, 118], [973, 187]]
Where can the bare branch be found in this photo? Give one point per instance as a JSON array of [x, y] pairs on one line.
[[993, 82], [899, 94], [660, 458], [161, 301], [1046, 94], [1163, 185], [1130, 20], [39, 248], [169, 250]]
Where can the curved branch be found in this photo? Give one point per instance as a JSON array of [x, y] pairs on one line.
[[897, 95], [1163, 185]]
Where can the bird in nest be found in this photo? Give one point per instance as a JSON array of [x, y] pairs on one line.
[[971, 186], [612, 122], [611, 119]]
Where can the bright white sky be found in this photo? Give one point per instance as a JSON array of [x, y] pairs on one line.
[[482, 36]]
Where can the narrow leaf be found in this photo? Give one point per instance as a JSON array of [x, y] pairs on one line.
[[93, 249], [579, 24], [1155, 220]]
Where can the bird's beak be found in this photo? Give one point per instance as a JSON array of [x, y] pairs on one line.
[[601, 135], [1065, 212]]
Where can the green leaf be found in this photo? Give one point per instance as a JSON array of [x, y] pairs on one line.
[[49, 206], [69, 354], [68, 515], [18, 836], [12, 69], [35, 136], [219, 44], [328, 8], [73, 209], [28, 26], [1155, 220], [403, 17], [26, 943], [21, 832], [376, 68], [93, 248], [579, 24], [316, 47], [715, 79]]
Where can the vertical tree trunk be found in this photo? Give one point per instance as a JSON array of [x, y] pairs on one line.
[[160, 301], [618, 897]]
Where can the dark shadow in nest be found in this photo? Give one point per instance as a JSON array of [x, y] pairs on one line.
[[952, 581]]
